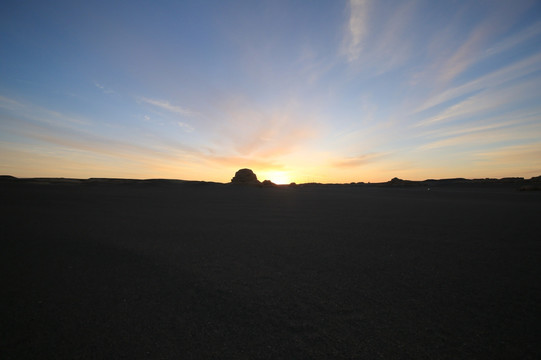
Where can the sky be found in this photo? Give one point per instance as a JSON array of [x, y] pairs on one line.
[[304, 91]]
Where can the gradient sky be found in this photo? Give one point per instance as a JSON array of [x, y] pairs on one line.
[[327, 91]]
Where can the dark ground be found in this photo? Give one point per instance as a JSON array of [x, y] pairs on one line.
[[164, 271]]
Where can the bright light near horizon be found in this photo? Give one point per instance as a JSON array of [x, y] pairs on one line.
[[277, 177]]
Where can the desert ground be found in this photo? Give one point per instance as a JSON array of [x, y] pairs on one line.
[[192, 270]]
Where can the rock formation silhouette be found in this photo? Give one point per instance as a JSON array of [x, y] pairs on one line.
[[245, 177], [268, 183]]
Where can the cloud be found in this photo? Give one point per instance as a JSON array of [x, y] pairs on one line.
[[378, 36], [246, 129], [500, 17], [529, 154], [93, 143], [41, 115], [104, 89], [357, 28], [487, 137], [520, 117], [359, 160], [393, 45], [523, 160], [185, 126], [486, 102], [107, 154], [166, 105], [498, 77], [53, 128], [236, 162], [515, 40], [9, 104]]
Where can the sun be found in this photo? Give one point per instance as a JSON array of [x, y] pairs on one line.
[[277, 177]]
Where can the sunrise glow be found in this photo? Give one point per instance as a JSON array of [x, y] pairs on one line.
[[338, 91], [277, 177]]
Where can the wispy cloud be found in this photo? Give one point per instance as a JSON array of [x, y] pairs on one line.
[[236, 162], [149, 152], [8, 103], [514, 118], [525, 153], [34, 122], [489, 136], [496, 78], [487, 101], [40, 114], [185, 126], [499, 18], [358, 160], [166, 105], [249, 130], [376, 39], [104, 89], [511, 42], [83, 140], [522, 159], [357, 28], [393, 44]]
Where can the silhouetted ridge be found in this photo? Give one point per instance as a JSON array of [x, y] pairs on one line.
[[7, 178]]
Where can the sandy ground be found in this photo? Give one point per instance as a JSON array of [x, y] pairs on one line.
[[208, 271]]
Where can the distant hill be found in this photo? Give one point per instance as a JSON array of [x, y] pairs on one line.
[[520, 183]]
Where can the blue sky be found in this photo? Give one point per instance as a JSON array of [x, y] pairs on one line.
[[330, 91]]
